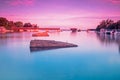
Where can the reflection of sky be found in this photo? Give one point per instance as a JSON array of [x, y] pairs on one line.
[[84, 40], [60, 12], [90, 60]]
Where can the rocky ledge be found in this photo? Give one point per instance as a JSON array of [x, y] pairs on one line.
[[36, 45]]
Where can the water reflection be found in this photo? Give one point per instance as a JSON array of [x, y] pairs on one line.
[[14, 39], [109, 39], [119, 49], [73, 33], [82, 63]]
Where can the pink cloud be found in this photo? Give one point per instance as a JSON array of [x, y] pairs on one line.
[[114, 1], [20, 2]]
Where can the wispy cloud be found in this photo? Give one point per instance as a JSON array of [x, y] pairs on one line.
[[20, 2], [115, 1]]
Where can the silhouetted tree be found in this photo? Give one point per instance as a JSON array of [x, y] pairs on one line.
[[101, 25], [11, 24], [118, 24], [4, 22], [111, 26], [108, 24], [27, 25], [18, 24]]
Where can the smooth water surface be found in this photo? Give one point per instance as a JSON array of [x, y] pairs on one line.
[[97, 57]]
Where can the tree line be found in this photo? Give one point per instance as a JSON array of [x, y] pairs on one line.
[[108, 24], [9, 24]]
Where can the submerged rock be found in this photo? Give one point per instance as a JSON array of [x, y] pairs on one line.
[[48, 44]]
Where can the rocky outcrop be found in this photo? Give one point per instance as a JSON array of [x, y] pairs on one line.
[[49, 44]]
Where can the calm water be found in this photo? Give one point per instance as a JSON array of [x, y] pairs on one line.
[[96, 58]]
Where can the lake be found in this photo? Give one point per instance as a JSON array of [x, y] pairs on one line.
[[97, 57]]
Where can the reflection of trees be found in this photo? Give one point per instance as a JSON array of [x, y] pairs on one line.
[[118, 41], [73, 33], [119, 48], [109, 39]]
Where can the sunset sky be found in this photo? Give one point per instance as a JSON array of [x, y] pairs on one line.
[[79, 13]]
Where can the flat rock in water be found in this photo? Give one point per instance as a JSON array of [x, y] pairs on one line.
[[49, 44], [40, 34]]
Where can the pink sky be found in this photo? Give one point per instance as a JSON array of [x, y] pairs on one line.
[[77, 13]]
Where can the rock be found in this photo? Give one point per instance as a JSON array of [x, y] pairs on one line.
[[49, 44], [40, 34]]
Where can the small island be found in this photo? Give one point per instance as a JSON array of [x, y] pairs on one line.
[[36, 45]]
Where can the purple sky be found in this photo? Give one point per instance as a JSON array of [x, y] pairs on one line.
[[79, 13]]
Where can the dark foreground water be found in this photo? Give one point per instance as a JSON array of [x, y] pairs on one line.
[[96, 58]]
